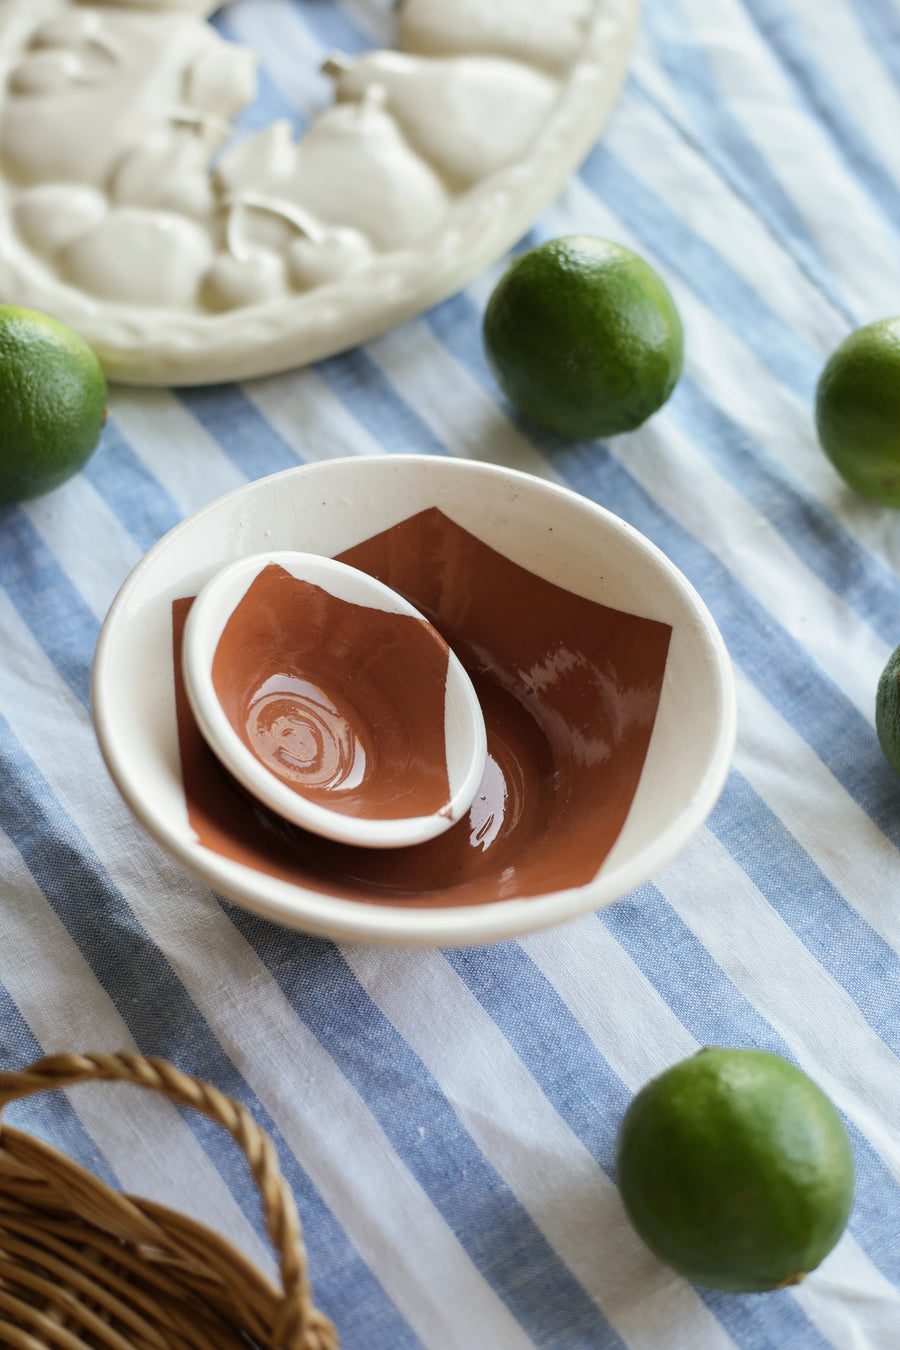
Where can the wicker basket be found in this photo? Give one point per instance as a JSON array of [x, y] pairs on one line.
[[84, 1266]]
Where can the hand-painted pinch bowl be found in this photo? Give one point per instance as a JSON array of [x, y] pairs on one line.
[[332, 700], [607, 694]]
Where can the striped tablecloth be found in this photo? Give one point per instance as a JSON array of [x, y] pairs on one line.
[[447, 1120]]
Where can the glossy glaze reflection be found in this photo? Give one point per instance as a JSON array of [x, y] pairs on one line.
[[342, 702], [569, 689]]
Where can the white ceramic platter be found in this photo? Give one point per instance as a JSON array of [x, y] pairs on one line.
[[433, 160], [331, 506]]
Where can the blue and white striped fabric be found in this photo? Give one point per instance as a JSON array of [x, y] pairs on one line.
[[447, 1120]]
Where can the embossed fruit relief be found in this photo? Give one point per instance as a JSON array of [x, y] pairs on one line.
[[129, 210]]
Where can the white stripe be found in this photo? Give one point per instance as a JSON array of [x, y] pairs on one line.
[[850, 1301], [662, 460], [149, 1147], [480, 288], [309, 417], [773, 970], [324, 1122], [841, 47], [695, 193], [173, 446], [451, 402], [611, 998], [737, 382], [551, 1173], [639, 1036], [800, 153], [87, 539], [856, 857], [647, 70]]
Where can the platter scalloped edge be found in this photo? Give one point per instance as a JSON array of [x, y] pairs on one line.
[[186, 344]]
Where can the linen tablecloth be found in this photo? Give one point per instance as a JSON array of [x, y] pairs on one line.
[[447, 1120]]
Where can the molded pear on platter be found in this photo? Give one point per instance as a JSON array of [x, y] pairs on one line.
[[184, 255]]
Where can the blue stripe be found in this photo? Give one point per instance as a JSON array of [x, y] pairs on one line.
[[833, 932], [333, 29], [709, 1005], [239, 429], [270, 105], [372, 399], [130, 490], [47, 601], [495, 1230], [456, 323], [591, 1099], [725, 145], [47, 1116], [328, 28], [163, 1020], [817, 536], [554, 1048], [132, 971], [881, 24], [704, 271], [819, 99], [773, 660]]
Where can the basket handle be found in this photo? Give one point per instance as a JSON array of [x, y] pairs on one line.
[[282, 1220]]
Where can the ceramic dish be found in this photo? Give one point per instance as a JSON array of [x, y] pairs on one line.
[[607, 693], [332, 700]]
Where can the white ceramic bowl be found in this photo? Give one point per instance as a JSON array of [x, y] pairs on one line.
[[608, 695], [420, 664]]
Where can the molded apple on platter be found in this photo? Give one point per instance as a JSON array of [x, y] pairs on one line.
[[432, 162]]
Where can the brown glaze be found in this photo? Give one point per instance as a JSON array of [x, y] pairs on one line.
[[341, 702], [569, 689]]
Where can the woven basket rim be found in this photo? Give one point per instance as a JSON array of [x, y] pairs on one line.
[[153, 1211], [70, 1244]]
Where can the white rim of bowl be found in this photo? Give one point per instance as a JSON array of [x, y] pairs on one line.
[[205, 624], [356, 921]]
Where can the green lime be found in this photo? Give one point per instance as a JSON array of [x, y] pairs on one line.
[[52, 403], [584, 337], [858, 410], [736, 1170], [887, 710]]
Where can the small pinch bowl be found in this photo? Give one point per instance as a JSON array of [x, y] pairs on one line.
[[344, 668], [607, 693]]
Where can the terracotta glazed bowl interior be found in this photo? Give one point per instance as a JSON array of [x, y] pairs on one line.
[[607, 695], [332, 700]]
